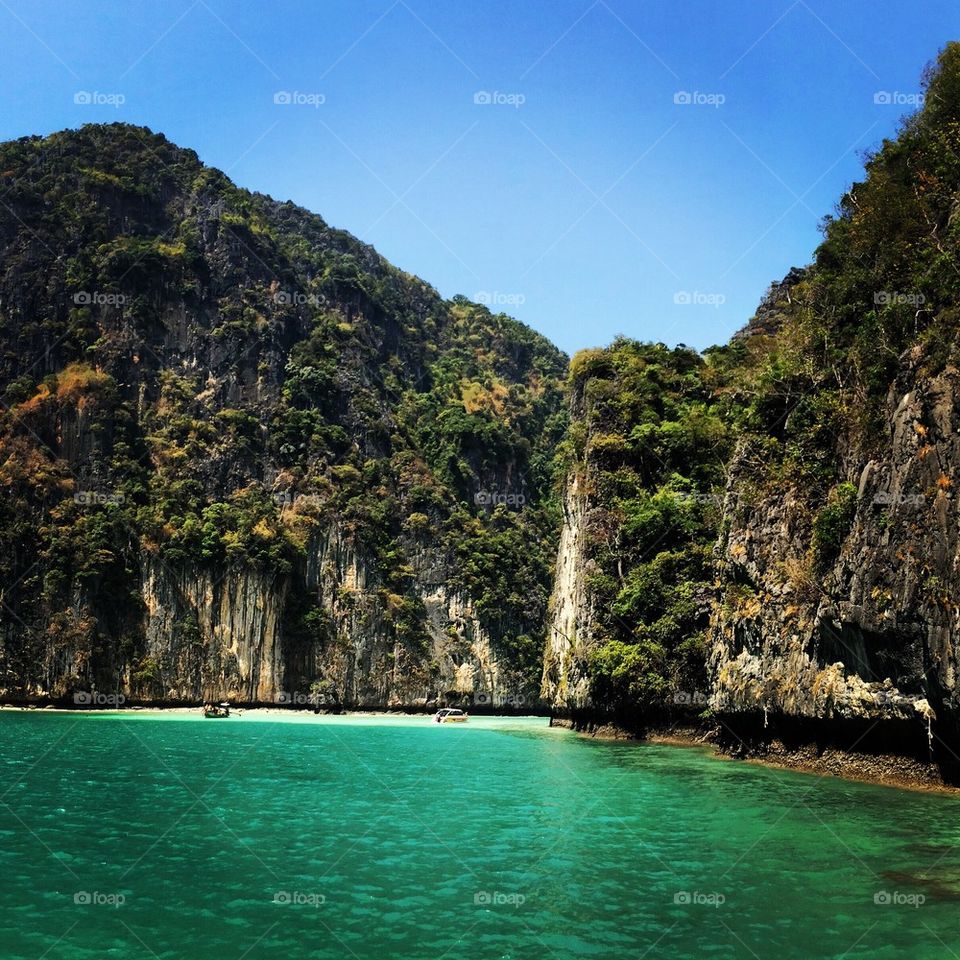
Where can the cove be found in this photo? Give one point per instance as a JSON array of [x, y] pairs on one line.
[[165, 835]]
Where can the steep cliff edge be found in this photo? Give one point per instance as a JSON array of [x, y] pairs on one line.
[[870, 632], [787, 510], [838, 560], [570, 619], [645, 456], [243, 456]]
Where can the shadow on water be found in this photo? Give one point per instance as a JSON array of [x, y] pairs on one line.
[[944, 888]]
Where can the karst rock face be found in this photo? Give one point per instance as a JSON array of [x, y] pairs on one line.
[[874, 634], [838, 554], [834, 577], [243, 456]]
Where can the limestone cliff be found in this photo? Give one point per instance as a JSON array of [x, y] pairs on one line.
[[784, 508], [243, 456], [874, 636], [570, 620], [838, 556]]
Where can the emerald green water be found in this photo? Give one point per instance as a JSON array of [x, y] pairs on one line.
[[398, 838]]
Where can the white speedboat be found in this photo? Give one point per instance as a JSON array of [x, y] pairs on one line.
[[450, 715]]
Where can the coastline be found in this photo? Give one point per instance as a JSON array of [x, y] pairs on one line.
[[880, 769], [262, 712], [239, 711]]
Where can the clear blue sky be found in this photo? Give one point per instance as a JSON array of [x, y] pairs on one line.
[[589, 209]]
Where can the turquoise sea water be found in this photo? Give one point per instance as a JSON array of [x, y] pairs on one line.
[[167, 836]]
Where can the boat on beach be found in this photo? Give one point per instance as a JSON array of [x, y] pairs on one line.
[[450, 715], [216, 711]]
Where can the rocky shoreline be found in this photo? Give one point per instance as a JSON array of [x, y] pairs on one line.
[[886, 769]]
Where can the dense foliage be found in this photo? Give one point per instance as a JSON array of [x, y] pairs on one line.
[[195, 375], [805, 393], [885, 279], [652, 442]]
